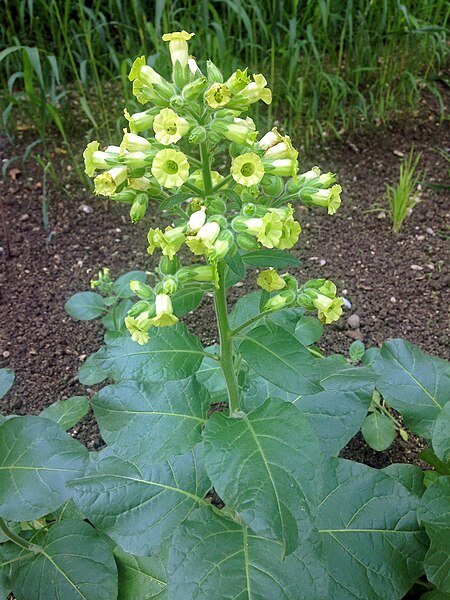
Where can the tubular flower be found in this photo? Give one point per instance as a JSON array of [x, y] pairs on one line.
[[141, 184], [247, 169], [267, 229], [270, 281], [202, 242], [241, 131], [136, 160], [134, 143], [290, 234], [196, 178], [257, 90], [171, 240], [140, 70], [280, 300], [170, 168], [285, 167], [221, 247], [272, 138], [217, 95], [164, 312], [95, 159], [200, 273], [169, 127], [107, 182], [196, 221], [328, 309], [178, 46], [138, 327], [238, 80], [329, 198], [283, 149], [139, 121]]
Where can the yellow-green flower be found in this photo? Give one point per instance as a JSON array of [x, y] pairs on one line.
[[139, 121], [164, 312], [196, 221], [328, 309], [178, 46], [247, 169], [171, 240], [95, 159], [217, 95], [329, 198], [270, 281], [238, 81], [138, 327], [290, 233], [285, 167], [107, 182], [141, 184], [328, 289], [170, 168], [169, 127], [283, 149], [271, 138], [257, 90], [267, 229], [196, 178], [203, 241], [154, 238], [241, 131], [134, 143], [280, 300]]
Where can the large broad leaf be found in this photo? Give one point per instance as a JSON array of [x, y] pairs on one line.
[[140, 577], [171, 353], [236, 269], [186, 299], [378, 430], [85, 306], [37, 458], [410, 476], [262, 464], [6, 381], [67, 413], [441, 434], [336, 374], [256, 390], [279, 259], [210, 374], [90, 372], [214, 557], [280, 358], [371, 543], [414, 383], [140, 506], [122, 284], [76, 564], [434, 513], [152, 421]]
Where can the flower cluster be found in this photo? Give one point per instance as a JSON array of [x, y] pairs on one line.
[[165, 158]]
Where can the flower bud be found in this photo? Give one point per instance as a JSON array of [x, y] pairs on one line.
[[272, 185], [134, 143], [291, 282], [280, 301], [196, 221], [139, 307], [220, 219], [168, 266], [128, 196], [139, 208], [198, 135], [141, 290], [169, 285], [216, 206], [222, 246], [246, 242], [238, 81], [164, 311], [194, 89], [140, 121], [177, 102]]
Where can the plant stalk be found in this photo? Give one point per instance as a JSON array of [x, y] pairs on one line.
[[226, 341], [17, 539]]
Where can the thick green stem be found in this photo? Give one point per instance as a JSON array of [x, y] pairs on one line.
[[20, 541], [204, 157], [226, 341]]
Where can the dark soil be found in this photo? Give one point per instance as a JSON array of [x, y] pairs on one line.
[[397, 285]]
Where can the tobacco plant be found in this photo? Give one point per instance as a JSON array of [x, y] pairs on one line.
[[220, 477]]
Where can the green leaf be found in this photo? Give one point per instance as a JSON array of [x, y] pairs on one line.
[[430, 458], [90, 372], [279, 259], [441, 434], [378, 430], [76, 563], [256, 390], [6, 381], [308, 330], [371, 543], [280, 358], [173, 201], [37, 460], [67, 413], [416, 384], [122, 283], [114, 320], [139, 506], [140, 577], [210, 374], [5, 574], [236, 269], [210, 553], [435, 515], [171, 353], [186, 299], [151, 422], [356, 350], [336, 374], [435, 595], [261, 463], [410, 476], [85, 306]]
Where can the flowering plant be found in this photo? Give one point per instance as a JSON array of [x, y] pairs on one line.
[[220, 477]]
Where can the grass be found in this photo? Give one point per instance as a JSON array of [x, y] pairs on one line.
[[332, 64], [403, 197]]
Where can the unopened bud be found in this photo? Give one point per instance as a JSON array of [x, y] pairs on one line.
[[169, 285], [280, 301], [272, 185], [214, 74], [192, 90], [246, 242], [142, 290], [198, 135], [168, 266], [139, 208]]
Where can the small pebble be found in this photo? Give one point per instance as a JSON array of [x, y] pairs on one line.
[[354, 321], [393, 299], [86, 208], [24, 217], [416, 268], [322, 262], [355, 335], [347, 303], [6, 354], [429, 231]]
